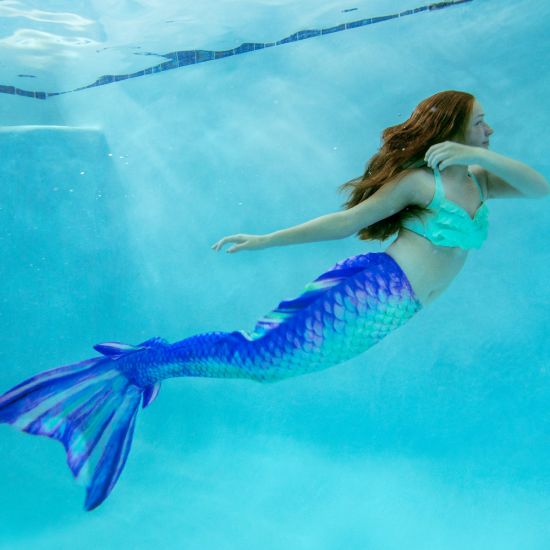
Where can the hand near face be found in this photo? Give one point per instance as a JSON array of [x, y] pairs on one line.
[[450, 153]]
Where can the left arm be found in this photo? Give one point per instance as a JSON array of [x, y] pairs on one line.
[[505, 177]]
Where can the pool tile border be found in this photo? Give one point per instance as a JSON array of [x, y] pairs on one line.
[[192, 57]]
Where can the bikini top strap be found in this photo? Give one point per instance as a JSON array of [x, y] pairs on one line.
[[473, 176], [439, 194]]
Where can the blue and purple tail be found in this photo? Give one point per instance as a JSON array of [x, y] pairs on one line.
[[91, 407]]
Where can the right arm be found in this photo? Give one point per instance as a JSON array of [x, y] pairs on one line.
[[389, 199]]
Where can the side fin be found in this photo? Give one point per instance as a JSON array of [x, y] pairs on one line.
[[116, 349], [150, 394]]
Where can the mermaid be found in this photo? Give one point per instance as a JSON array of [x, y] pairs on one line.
[[428, 184]]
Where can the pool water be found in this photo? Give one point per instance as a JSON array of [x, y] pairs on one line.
[[113, 190]]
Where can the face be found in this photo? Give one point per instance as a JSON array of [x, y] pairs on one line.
[[477, 131]]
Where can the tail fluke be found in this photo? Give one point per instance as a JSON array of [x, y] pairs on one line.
[[90, 407]]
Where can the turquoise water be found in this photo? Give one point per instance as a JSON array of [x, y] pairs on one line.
[[437, 438]]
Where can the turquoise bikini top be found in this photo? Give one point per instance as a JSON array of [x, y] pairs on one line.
[[448, 224]]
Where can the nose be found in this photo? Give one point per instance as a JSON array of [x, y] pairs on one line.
[[488, 130]]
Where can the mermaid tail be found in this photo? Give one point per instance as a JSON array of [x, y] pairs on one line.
[[90, 407], [340, 315]]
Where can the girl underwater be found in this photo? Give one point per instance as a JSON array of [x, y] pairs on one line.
[[428, 183]]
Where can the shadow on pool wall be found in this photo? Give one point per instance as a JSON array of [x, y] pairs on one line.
[[64, 238], [437, 438]]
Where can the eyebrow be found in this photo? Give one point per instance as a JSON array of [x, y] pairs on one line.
[[480, 115]]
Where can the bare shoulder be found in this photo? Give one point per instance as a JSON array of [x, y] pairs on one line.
[[414, 187], [419, 185]]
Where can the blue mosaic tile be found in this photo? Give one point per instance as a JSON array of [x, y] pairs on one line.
[[187, 58], [354, 24], [291, 38], [384, 18], [243, 48], [191, 57], [341, 27], [308, 34]]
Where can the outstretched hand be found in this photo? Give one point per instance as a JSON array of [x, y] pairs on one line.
[[243, 242], [449, 153]]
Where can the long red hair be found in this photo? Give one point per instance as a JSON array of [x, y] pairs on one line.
[[440, 117]]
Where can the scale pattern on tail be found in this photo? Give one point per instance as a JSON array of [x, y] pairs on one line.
[[341, 314]]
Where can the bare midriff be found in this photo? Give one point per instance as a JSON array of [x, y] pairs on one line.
[[429, 268]]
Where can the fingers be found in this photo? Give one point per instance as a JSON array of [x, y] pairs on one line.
[[443, 164], [237, 247], [241, 242], [234, 248], [436, 155], [449, 153], [429, 156], [230, 239], [219, 245], [434, 159]]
